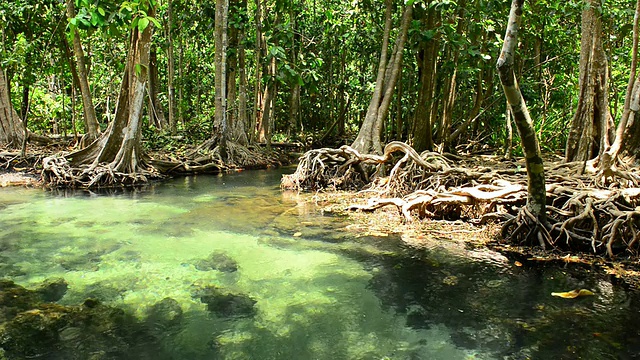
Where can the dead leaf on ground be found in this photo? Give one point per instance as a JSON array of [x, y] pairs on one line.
[[573, 293]]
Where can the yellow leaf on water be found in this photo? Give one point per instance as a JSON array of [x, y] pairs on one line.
[[573, 293]]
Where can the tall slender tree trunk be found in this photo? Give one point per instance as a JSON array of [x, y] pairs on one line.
[[221, 125], [90, 118], [588, 133], [536, 201], [427, 63], [171, 70], [368, 139], [449, 96], [232, 68], [156, 110], [241, 124], [180, 108], [294, 98], [258, 106], [268, 106], [364, 140]]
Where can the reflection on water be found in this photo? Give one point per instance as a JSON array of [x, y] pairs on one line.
[[231, 268]]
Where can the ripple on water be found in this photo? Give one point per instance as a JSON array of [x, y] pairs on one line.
[[325, 294]]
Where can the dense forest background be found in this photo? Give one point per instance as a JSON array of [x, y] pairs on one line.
[[306, 70]]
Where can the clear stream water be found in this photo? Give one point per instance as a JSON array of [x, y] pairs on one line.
[[319, 291]]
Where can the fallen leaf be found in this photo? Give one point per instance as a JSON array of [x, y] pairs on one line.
[[573, 293], [298, 234], [518, 263]]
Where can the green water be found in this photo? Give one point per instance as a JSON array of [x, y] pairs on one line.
[[320, 291]]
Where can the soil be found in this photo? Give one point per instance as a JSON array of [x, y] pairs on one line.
[[462, 237]]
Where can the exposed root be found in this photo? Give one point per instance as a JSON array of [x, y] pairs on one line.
[[581, 216], [346, 168], [58, 173]]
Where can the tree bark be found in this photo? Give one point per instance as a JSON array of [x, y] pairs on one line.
[[91, 121], [240, 128], [588, 134], [368, 139], [536, 201], [156, 110], [427, 63], [11, 132], [256, 119], [451, 87], [171, 71], [120, 146], [221, 121], [628, 130], [241, 124]]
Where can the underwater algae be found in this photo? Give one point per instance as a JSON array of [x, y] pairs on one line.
[[309, 302]]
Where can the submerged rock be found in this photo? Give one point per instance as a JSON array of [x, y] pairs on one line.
[[166, 312], [15, 299], [52, 290], [226, 304], [32, 328], [217, 261]]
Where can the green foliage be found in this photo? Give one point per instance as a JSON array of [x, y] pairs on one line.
[[328, 48]]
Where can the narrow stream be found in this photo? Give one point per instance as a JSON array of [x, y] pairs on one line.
[[250, 272]]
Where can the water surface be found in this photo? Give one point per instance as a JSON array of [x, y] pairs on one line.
[[313, 290]]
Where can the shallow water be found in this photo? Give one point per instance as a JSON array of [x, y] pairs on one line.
[[318, 291]]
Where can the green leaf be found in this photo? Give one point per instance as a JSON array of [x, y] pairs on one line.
[[101, 11], [143, 23], [154, 21]]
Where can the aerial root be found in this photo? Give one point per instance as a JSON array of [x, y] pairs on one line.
[[58, 173], [580, 216]]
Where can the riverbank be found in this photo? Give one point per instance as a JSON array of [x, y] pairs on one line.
[[465, 238]]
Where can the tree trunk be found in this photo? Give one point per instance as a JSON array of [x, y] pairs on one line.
[[180, 107], [391, 78], [536, 201], [91, 121], [241, 124], [221, 124], [427, 63], [120, 146], [256, 119], [171, 70], [156, 110], [294, 98], [451, 87], [588, 134], [364, 140], [628, 131], [368, 139], [268, 108], [11, 132]]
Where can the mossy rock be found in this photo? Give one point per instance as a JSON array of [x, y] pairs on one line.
[[217, 261], [165, 313], [32, 328], [226, 304]]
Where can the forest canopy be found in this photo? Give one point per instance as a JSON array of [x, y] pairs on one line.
[[308, 67]]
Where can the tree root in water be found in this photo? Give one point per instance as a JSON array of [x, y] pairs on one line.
[[582, 214]]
